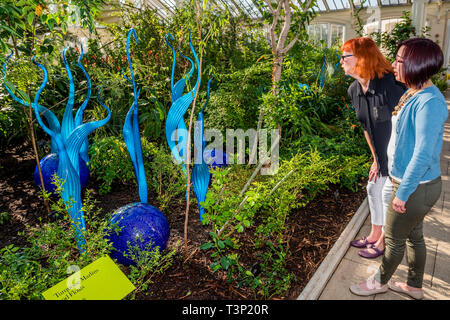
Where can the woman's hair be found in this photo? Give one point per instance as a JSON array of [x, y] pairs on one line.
[[422, 58], [371, 61]]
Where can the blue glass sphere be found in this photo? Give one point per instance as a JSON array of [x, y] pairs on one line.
[[49, 166], [215, 158], [141, 225]]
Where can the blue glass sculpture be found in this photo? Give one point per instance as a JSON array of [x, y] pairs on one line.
[[303, 85], [54, 124], [68, 142], [200, 173], [141, 225], [176, 130], [49, 166], [180, 104], [215, 158]]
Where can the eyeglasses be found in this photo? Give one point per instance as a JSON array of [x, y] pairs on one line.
[[348, 55]]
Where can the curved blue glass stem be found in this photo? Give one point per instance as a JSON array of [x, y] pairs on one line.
[[52, 120], [322, 73], [68, 123], [84, 152], [176, 114], [130, 130], [339, 59], [200, 172]]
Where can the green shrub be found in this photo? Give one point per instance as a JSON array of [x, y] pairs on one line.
[[26, 272], [111, 164]]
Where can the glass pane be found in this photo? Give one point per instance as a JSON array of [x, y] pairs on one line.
[[321, 6], [338, 4], [324, 32], [331, 4]]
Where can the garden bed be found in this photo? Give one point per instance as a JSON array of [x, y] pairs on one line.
[[310, 233]]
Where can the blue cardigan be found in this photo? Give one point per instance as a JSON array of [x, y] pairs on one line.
[[420, 131]]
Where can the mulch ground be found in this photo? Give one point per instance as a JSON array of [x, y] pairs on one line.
[[311, 232]]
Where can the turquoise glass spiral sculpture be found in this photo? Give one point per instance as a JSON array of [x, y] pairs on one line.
[[49, 164], [69, 142], [176, 130], [200, 173], [143, 227]]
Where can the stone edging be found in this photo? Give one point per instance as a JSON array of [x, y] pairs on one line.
[[319, 280]]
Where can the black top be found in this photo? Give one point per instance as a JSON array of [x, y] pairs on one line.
[[380, 98]]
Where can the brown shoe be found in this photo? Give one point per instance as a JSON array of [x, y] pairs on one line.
[[418, 295]]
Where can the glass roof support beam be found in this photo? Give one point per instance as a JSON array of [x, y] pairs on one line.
[[325, 3], [241, 11], [161, 3]]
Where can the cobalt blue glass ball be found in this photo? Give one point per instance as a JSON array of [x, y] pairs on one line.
[[49, 166], [215, 158], [141, 225]]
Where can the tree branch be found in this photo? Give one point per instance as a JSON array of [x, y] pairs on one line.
[[286, 26]]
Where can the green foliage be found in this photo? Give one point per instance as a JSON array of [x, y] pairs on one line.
[[401, 31], [235, 102], [111, 164], [26, 272], [4, 217], [264, 211], [149, 263]]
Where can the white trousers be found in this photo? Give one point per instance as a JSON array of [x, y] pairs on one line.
[[378, 196]]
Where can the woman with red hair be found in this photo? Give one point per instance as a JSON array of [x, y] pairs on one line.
[[374, 95]]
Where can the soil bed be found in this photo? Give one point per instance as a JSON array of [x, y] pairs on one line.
[[311, 232]]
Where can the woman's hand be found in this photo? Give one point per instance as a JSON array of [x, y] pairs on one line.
[[399, 205], [373, 174]]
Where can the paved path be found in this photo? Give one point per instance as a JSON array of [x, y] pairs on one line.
[[353, 268]]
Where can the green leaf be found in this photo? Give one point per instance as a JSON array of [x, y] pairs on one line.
[[64, 27], [23, 95], [44, 18], [30, 17], [51, 24], [10, 85], [225, 263], [206, 246], [221, 244]]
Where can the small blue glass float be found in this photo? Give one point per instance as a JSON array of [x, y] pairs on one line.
[[215, 158], [49, 166], [141, 225]]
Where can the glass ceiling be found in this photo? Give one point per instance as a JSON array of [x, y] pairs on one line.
[[250, 8]]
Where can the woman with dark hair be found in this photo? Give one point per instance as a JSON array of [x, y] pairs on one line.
[[374, 95], [414, 158]]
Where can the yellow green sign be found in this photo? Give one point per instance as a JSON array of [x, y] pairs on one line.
[[101, 280]]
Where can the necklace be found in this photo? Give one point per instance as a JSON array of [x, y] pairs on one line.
[[405, 97]]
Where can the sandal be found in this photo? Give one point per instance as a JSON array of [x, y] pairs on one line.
[[367, 254], [361, 243]]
